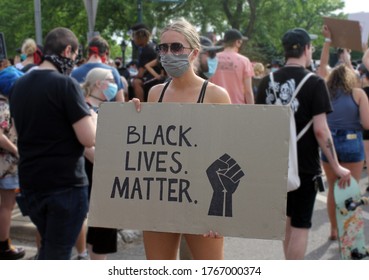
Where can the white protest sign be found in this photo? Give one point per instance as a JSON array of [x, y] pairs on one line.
[[191, 168]]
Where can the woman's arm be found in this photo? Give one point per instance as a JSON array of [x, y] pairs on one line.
[[366, 59], [363, 102], [324, 56], [150, 68], [6, 144]]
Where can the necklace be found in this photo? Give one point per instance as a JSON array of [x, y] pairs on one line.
[[97, 98], [294, 65]]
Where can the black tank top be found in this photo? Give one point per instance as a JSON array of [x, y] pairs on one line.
[[201, 96]]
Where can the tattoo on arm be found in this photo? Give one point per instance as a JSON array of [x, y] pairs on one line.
[[330, 147]]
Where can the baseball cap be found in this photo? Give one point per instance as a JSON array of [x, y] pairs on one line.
[[233, 35], [207, 45], [297, 37], [275, 62]]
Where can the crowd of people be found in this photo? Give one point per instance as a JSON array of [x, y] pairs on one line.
[[53, 104]]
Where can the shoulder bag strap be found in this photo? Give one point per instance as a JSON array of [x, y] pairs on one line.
[[300, 86], [307, 126], [304, 130], [271, 77]]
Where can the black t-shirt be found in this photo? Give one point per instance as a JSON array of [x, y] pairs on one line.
[[45, 104], [147, 54], [313, 99]]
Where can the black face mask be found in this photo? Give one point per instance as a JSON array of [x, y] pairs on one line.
[[63, 64]]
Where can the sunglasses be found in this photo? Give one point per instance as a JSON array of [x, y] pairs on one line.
[[175, 48]]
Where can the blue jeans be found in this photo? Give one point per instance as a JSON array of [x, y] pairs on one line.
[[349, 145], [58, 216]]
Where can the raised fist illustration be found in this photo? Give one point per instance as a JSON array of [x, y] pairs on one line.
[[224, 175]]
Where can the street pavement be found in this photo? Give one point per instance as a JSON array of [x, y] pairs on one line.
[[319, 247]]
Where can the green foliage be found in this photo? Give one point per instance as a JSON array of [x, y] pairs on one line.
[[262, 21]]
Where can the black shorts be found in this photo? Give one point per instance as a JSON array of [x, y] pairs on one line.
[[103, 240], [300, 203]]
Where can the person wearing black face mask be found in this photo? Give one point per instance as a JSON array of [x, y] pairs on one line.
[[54, 126]]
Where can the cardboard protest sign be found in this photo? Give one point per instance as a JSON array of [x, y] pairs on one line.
[[191, 168], [363, 19], [345, 33]]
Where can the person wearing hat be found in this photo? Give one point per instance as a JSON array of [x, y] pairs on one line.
[[208, 61], [311, 103], [234, 71], [275, 65]]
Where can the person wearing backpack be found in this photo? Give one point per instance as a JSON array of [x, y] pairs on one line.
[[311, 103]]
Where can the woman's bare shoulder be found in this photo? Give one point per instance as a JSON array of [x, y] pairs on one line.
[[216, 94], [154, 93]]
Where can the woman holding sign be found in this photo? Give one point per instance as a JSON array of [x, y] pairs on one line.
[[178, 50]]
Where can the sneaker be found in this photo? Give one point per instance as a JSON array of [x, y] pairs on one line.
[[81, 257], [14, 253]]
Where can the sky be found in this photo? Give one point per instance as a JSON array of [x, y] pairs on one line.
[[356, 6]]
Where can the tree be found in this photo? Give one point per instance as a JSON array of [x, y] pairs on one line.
[[262, 21]]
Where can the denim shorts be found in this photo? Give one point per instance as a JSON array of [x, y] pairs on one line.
[[349, 145], [9, 183]]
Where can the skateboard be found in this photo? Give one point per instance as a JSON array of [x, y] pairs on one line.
[[350, 221]]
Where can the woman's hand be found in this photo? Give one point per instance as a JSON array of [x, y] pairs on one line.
[[137, 103], [212, 234], [344, 177], [326, 32]]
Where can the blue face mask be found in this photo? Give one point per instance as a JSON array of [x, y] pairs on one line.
[[132, 71], [212, 66], [23, 57], [110, 92], [273, 69]]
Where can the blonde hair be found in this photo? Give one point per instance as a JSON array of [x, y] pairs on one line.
[[94, 75], [259, 69], [341, 77], [185, 28], [29, 47]]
